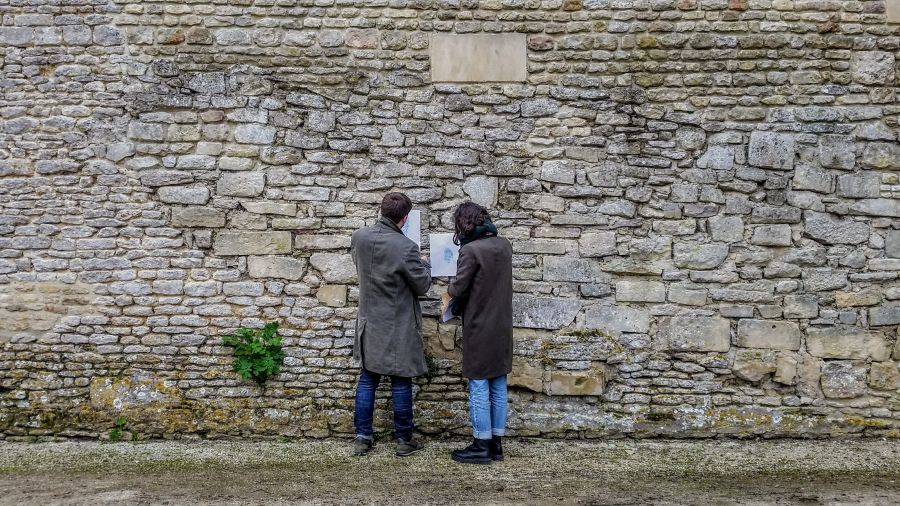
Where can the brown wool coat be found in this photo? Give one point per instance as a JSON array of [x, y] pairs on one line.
[[392, 276], [484, 279]]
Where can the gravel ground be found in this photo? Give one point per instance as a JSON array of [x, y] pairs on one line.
[[535, 472]]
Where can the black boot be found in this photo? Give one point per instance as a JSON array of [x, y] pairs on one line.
[[475, 453], [495, 448]]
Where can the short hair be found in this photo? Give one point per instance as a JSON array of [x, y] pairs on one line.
[[466, 217], [395, 206]]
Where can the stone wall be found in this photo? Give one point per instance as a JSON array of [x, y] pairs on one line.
[[702, 197]]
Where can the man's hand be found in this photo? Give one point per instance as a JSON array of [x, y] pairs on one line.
[[425, 258]]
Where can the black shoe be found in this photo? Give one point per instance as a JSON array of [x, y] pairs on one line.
[[475, 453], [407, 448], [495, 448], [362, 446]]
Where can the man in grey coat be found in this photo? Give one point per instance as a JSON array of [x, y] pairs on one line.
[[392, 276]]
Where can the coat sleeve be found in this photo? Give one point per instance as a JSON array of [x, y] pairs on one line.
[[466, 267], [416, 271]]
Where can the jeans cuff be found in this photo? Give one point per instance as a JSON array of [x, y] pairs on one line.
[[368, 438], [498, 432], [481, 435]]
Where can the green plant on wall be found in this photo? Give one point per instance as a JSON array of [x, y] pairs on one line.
[[115, 433], [257, 353]]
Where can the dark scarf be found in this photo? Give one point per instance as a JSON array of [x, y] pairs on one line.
[[486, 229]]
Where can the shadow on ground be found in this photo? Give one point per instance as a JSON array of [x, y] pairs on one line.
[[536, 472]]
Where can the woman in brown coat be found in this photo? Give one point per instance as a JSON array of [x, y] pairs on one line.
[[482, 295]]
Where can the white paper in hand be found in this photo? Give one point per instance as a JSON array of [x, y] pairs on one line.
[[413, 227]]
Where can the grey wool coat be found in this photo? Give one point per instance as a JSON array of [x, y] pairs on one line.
[[392, 276], [484, 283]]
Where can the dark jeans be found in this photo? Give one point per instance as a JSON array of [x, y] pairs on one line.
[[401, 390]]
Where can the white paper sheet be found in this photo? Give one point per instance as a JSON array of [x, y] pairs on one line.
[[413, 227], [443, 254]]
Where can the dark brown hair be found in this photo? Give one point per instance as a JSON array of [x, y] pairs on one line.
[[395, 206], [466, 217]]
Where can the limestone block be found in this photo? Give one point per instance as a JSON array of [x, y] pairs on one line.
[[527, 374], [754, 365], [543, 312], [191, 217], [786, 369], [252, 243], [699, 256], [770, 334], [304, 193], [482, 190], [824, 279], [618, 319], [836, 152], [695, 333], [771, 150], [197, 195], [477, 57], [332, 295], [717, 158], [893, 11], [579, 270], [860, 298], [847, 343], [859, 186], [307, 242], [810, 178], [885, 315], [828, 229], [558, 171], [598, 244], [241, 184], [589, 382], [843, 380], [771, 235], [882, 155], [877, 207], [542, 202], [281, 267], [726, 228], [460, 156], [267, 207], [873, 67], [253, 133], [884, 376], [801, 306], [334, 267], [640, 291], [688, 296], [892, 243]]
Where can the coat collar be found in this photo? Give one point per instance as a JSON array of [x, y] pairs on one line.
[[390, 224]]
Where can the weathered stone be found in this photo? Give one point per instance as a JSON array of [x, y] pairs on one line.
[[860, 298], [687, 296], [241, 184], [876, 207], [597, 244], [480, 57], [771, 235], [482, 190], [590, 382], [843, 380], [572, 269], [810, 178], [726, 228], [882, 155], [892, 243], [197, 195], [770, 334], [688, 255], [280, 267], [321, 242], [885, 315], [820, 280], [558, 171], [695, 333], [270, 208], [640, 291], [884, 376], [252, 243], [334, 267], [801, 306], [827, 229], [543, 312], [846, 342], [771, 150], [859, 186], [835, 152], [754, 365], [254, 134], [618, 319], [873, 67], [191, 217], [526, 374], [332, 295]]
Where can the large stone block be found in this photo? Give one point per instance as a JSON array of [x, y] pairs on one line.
[[281, 267], [321, 242], [477, 57], [197, 195], [543, 312], [810, 178], [618, 319], [482, 190], [640, 291], [873, 67], [884, 376], [836, 152], [754, 365], [845, 342], [254, 134], [877, 207], [192, 217], [771, 235], [843, 380], [526, 374], [882, 155], [334, 267], [726, 228], [597, 244], [828, 229], [770, 334], [252, 243], [699, 256], [892, 243], [885, 315], [332, 295], [695, 333], [589, 382], [241, 184], [579, 270], [771, 150], [859, 186]]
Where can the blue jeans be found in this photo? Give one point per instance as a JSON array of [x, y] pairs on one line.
[[401, 390], [487, 405]]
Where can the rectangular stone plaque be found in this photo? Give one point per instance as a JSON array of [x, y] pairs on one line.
[[478, 57], [893, 10]]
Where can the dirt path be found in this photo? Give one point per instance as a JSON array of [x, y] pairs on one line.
[[545, 472]]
